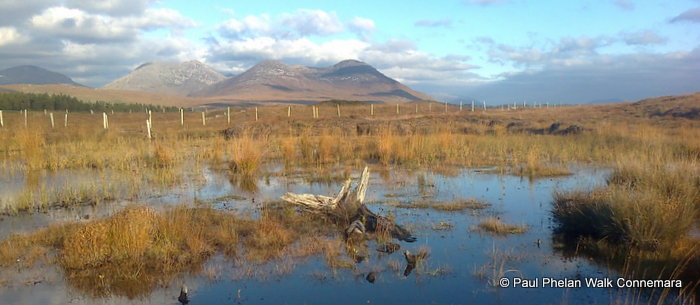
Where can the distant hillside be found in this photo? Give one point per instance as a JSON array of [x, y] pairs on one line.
[[169, 78], [677, 106], [108, 95], [348, 80], [33, 75]]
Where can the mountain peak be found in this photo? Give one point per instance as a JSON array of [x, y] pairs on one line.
[[178, 78], [349, 63]]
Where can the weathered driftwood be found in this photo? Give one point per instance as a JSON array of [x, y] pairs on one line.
[[348, 209]]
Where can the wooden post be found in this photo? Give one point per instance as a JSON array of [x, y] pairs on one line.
[[460, 106], [182, 117], [44, 111], [371, 109], [150, 117], [65, 120], [91, 112], [416, 108], [397, 108], [148, 129], [256, 113], [338, 107], [2, 123], [51, 117], [472, 105], [313, 111], [25, 117], [204, 119], [104, 120], [484, 105], [289, 111], [228, 115]]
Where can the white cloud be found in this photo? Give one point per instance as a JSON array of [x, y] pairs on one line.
[[360, 24], [624, 4], [246, 27], [300, 50], [313, 22], [363, 27], [485, 2], [434, 23], [9, 35], [567, 51], [78, 25], [642, 38], [301, 23], [111, 7], [691, 15], [13, 12]]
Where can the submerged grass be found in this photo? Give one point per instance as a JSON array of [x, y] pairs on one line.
[[496, 226], [445, 206]]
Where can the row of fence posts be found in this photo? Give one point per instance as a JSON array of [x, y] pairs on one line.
[[315, 114]]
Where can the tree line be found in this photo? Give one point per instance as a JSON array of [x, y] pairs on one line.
[[62, 102]]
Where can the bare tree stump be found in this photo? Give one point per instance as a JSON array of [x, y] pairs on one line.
[[347, 208]]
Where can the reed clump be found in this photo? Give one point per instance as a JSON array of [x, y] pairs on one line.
[[644, 206], [246, 154], [496, 226]]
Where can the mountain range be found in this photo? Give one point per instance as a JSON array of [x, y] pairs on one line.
[[275, 81], [268, 81]]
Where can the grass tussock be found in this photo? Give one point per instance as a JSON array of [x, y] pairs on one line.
[[637, 207], [131, 252], [446, 206], [246, 154], [496, 226], [138, 248]]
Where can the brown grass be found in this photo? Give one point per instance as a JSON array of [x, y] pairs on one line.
[[446, 206], [496, 226], [137, 249]]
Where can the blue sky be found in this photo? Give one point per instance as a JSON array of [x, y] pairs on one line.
[[558, 51]]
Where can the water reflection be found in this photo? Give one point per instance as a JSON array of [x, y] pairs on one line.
[[450, 273]]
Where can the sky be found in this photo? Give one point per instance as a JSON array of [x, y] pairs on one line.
[[573, 51]]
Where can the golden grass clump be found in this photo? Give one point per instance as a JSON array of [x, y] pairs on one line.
[[246, 154], [446, 206], [644, 206], [132, 251], [32, 144], [496, 226]]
